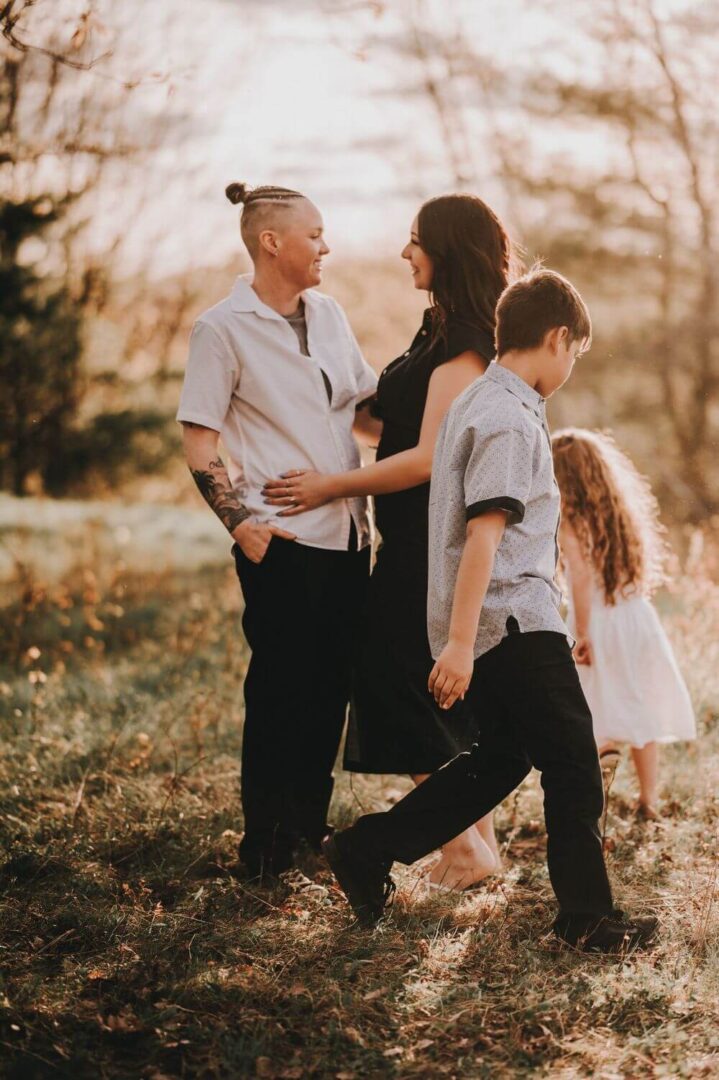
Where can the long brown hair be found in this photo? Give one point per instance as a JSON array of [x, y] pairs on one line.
[[470, 253], [611, 508]]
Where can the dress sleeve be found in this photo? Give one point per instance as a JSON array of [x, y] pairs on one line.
[[464, 337], [375, 409], [210, 379], [498, 475]]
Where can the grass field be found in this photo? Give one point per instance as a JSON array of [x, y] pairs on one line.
[[130, 947]]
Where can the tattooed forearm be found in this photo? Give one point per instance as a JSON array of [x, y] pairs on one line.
[[216, 490]]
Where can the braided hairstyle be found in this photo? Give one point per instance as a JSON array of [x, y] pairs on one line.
[[260, 206]]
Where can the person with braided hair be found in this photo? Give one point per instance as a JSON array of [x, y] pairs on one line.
[[274, 370]]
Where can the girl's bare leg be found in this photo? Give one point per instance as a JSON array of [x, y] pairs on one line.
[[646, 762], [468, 858]]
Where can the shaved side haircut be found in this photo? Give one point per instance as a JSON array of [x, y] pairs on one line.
[[262, 208]]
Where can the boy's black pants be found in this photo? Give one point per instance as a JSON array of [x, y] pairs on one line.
[[302, 607], [531, 711]]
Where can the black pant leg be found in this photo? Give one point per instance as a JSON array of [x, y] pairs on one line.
[[462, 791], [531, 711], [336, 582], [301, 611], [273, 597], [556, 731]]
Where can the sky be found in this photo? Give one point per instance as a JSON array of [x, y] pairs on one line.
[[307, 95], [310, 94]]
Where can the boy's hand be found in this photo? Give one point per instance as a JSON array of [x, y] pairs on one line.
[[583, 651], [451, 675]]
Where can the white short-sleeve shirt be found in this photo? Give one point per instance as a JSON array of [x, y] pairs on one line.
[[247, 379]]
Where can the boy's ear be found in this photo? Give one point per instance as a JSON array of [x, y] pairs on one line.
[[556, 337]]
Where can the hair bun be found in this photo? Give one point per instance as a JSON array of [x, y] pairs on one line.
[[237, 193]]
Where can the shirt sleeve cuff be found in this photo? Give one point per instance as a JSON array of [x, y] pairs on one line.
[[514, 508], [184, 417]]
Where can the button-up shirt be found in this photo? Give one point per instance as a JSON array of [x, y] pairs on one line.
[[494, 452], [247, 379]]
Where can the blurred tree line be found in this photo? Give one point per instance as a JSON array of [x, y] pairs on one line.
[[605, 139], [61, 118]]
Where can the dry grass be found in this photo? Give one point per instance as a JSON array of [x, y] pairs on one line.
[[130, 947]]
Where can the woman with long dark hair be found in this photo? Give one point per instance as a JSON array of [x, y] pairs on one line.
[[459, 253]]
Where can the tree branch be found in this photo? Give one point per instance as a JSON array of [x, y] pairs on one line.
[[9, 19]]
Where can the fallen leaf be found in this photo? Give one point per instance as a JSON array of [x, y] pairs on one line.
[[354, 1036]]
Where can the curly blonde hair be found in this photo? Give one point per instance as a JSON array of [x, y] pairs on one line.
[[612, 511]]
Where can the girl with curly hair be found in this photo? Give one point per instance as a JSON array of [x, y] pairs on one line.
[[613, 555]]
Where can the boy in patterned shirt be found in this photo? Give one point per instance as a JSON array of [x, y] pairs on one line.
[[497, 635]]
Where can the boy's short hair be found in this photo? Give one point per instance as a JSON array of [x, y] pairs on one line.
[[535, 304]]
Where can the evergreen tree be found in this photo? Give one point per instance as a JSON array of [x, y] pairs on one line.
[[40, 352]]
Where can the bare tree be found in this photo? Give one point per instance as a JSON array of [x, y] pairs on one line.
[[638, 216]]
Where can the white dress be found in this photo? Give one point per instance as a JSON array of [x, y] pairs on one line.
[[634, 687]]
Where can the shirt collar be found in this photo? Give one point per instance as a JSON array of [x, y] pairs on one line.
[[516, 385], [244, 298]]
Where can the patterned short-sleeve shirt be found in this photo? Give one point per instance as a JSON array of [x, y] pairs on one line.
[[494, 452]]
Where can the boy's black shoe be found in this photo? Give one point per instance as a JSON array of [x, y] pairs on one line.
[[613, 933], [366, 884]]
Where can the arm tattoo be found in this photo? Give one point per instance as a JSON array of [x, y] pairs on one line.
[[215, 488]]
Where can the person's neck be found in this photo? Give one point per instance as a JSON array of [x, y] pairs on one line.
[[526, 363], [277, 293]]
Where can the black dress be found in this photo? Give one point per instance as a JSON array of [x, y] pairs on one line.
[[395, 725]]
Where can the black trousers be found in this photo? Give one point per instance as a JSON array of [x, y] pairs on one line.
[[302, 606], [531, 711]]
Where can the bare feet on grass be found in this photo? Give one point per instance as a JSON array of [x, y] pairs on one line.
[[485, 828], [465, 861], [647, 811], [469, 858]]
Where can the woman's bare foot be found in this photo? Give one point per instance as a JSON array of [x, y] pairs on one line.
[[470, 857], [464, 862], [487, 834]]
